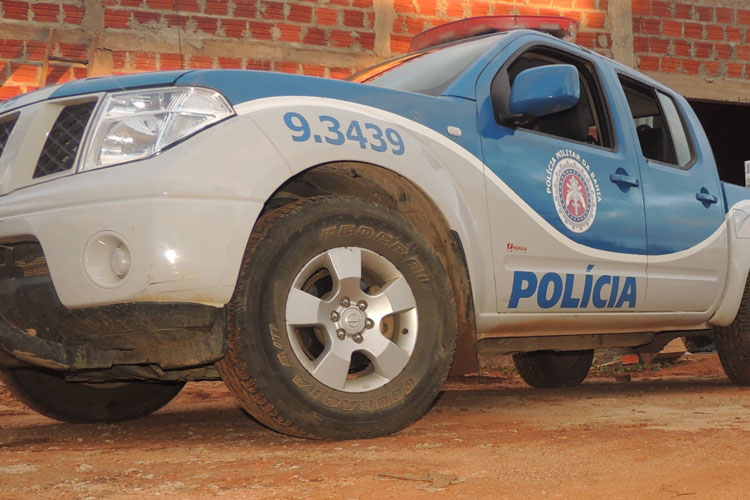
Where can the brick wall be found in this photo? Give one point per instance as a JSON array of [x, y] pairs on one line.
[[708, 39], [329, 38]]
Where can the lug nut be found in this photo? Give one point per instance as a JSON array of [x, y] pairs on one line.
[[357, 337], [341, 334], [362, 305], [345, 302], [334, 316], [369, 323]]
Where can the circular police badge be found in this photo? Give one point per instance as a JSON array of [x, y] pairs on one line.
[[575, 193]]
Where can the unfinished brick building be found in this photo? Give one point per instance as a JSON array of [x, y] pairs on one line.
[[700, 47]]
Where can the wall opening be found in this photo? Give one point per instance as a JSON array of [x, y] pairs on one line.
[[726, 125]]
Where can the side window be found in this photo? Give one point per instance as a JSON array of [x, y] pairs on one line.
[[587, 122], [660, 128]]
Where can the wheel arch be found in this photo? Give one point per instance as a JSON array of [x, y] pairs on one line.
[[388, 188]]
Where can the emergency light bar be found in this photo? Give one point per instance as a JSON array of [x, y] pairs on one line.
[[561, 27]]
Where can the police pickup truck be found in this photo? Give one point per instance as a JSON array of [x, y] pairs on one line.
[[331, 249]]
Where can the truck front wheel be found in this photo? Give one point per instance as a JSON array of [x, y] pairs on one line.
[[549, 369], [48, 393], [342, 324]]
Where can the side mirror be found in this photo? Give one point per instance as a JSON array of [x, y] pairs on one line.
[[543, 91]]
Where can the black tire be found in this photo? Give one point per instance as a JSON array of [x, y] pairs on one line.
[[733, 343], [48, 393], [551, 369], [269, 363]]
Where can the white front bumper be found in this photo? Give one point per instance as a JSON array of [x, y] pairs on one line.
[[184, 215]]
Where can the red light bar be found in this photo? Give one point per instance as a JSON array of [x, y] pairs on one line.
[[561, 27]]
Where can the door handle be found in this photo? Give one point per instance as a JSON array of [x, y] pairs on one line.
[[622, 179], [705, 197]]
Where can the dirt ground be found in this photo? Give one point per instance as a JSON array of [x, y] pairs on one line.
[[681, 431]]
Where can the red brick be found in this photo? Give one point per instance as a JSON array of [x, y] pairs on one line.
[[455, 10], [45, 12], [704, 50], [300, 13], [660, 9], [659, 46], [245, 8], [595, 20], [315, 36], [682, 48], [145, 61], [235, 28], [272, 10], [694, 30], [24, 73], [672, 28], [74, 50], [35, 50], [640, 44], [641, 7], [116, 18], [366, 40], [73, 14], [712, 68], [216, 7], [671, 64], [258, 65], [201, 62], [58, 74], [286, 67], [649, 63], [479, 8], [313, 70], [733, 34], [400, 44], [427, 7], [404, 6], [119, 59], [176, 20], [230, 62], [743, 52], [11, 49], [171, 61], [342, 38], [585, 4], [646, 26], [339, 73], [16, 10], [683, 11], [744, 16], [690, 66], [10, 91], [725, 15], [724, 51], [327, 17], [705, 14], [354, 18], [260, 31], [206, 24], [735, 70], [144, 16], [364, 4], [714, 32], [290, 32], [126, 3], [3, 71], [586, 39]]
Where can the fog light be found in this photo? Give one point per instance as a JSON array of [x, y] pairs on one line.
[[119, 261], [107, 259]]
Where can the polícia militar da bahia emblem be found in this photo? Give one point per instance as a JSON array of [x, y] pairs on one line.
[[574, 189]]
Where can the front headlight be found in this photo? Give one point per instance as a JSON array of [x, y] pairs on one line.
[[136, 124]]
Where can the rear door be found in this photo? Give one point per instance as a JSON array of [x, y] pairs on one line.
[[683, 202]]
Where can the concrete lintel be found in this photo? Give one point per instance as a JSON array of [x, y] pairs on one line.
[[712, 89]]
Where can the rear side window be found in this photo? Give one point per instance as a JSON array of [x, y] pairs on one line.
[[659, 125]]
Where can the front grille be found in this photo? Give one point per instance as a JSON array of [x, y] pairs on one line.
[[5, 129], [63, 140]]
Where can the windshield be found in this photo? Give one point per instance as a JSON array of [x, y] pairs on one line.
[[428, 72]]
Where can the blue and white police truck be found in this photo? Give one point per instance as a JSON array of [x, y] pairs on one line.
[[331, 250]]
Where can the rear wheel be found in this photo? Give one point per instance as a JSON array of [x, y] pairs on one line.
[[342, 325], [733, 343], [48, 393], [549, 369]]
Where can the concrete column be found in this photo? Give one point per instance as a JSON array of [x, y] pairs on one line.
[[620, 24], [385, 14]]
